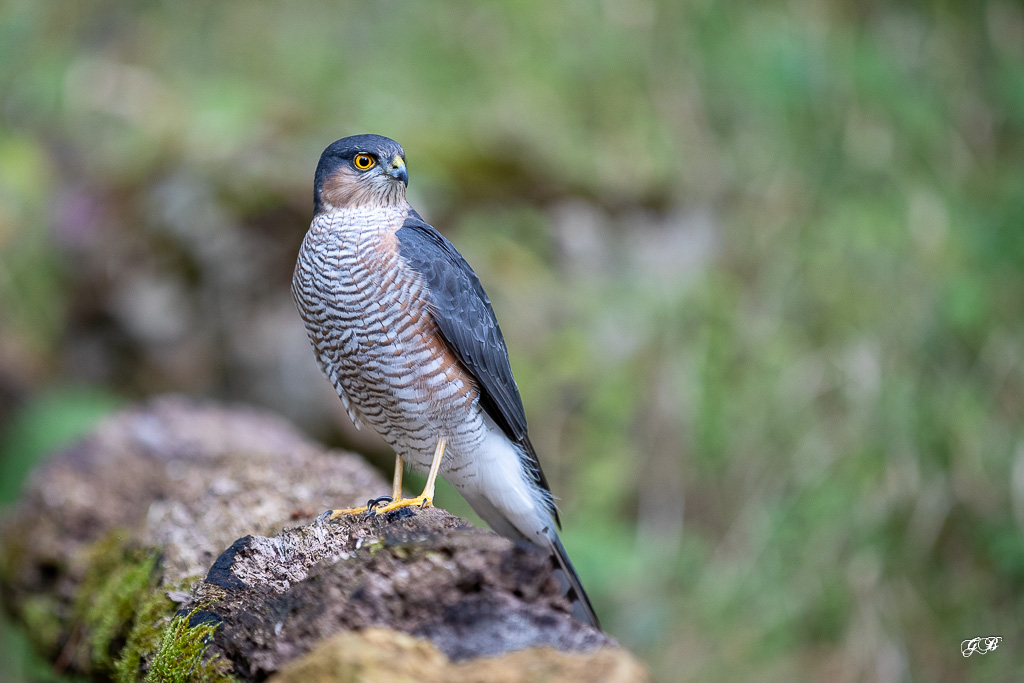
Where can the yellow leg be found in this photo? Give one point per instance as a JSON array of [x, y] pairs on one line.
[[396, 485], [435, 466], [424, 500]]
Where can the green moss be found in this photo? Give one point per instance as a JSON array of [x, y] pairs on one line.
[[118, 581], [182, 658], [39, 614], [374, 547], [127, 618], [147, 632]]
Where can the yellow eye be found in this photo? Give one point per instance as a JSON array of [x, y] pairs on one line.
[[363, 162]]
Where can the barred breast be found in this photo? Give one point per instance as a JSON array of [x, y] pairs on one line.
[[366, 314]]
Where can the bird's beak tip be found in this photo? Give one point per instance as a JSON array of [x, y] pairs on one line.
[[398, 170]]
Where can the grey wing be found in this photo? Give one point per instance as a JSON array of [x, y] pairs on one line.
[[462, 311]]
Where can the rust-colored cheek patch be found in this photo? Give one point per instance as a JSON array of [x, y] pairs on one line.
[[342, 188], [347, 188]]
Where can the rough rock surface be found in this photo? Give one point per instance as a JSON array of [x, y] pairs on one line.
[[426, 573], [229, 499], [188, 478]]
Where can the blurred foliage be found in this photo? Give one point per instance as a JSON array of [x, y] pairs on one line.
[[760, 267], [50, 420]]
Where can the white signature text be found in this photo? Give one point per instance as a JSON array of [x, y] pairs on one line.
[[979, 645]]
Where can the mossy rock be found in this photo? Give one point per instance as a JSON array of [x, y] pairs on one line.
[[180, 542], [106, 528]]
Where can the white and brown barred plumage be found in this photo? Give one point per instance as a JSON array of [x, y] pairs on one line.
[[406, 334]]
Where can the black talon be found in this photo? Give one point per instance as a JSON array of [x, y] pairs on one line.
[[324, 516], [374, 503]]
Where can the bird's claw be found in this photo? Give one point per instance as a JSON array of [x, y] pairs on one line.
[[374, 503]]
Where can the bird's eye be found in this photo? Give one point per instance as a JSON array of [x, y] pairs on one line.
[[363, 162]]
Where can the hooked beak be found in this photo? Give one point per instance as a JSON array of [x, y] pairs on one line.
[[398, 170]]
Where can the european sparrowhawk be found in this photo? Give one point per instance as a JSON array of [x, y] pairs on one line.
[[403, 329]]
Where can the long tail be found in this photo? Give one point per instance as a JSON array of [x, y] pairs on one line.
[[582, 609]]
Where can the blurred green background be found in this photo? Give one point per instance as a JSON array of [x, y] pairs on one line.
[[760, 267]]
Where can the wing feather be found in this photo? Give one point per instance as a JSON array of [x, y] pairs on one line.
[[463, 313]]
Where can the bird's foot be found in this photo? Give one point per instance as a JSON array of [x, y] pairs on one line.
[[420, 501], [378, 506], [371, 508], [387, 504]]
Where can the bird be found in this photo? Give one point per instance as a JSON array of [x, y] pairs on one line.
[[403, 329]]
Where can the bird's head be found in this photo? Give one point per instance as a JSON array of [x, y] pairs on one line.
[[360, 171]]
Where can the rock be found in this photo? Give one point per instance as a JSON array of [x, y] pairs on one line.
[[381, 654], [427, 573], [185, 477], [182, 538]]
